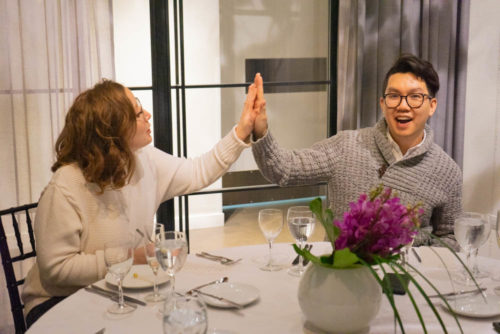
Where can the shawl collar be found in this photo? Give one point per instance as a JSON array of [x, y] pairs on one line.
[[385, 147]]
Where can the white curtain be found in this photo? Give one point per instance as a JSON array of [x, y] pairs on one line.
[[372, 34], [51, 50]]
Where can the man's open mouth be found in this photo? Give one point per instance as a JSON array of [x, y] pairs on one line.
[[403, 120]]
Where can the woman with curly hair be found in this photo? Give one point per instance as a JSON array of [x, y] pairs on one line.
[[106, 180]]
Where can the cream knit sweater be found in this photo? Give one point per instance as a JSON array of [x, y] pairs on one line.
[[352, 162], [73, 221]]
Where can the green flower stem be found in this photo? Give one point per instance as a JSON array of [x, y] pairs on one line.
[[387, 291], [427, 299], [459, 259], [407, 290]]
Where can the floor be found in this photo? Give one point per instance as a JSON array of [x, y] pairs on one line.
[[242, 228]]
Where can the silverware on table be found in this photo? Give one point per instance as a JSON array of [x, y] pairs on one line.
[[296, 260], [101, 331], [222, 299], [220, 259], [306, 261], [419, 259], [458, 293], [111, 294], [220, 280]]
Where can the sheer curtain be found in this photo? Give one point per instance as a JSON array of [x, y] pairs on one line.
[[372, 34], [51, 50]]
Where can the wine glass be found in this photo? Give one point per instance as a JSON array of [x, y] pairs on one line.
[[271, 223], [496, 276], [405, 254], [301, 223], [119, 256], [470, 230], [171, 252], [150, 252], [491, 220], [184, 314]]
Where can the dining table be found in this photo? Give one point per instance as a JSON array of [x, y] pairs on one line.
[[276, 307]]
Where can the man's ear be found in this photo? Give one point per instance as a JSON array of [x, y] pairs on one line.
[[433, 105]]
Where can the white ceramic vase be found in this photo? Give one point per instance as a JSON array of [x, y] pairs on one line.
[[339, 300]]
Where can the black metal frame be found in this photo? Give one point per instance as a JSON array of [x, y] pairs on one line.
[[162, 94]]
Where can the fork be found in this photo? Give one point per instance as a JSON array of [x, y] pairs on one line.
[[220, 259]]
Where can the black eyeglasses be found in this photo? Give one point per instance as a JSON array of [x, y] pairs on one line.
[[415, 100]]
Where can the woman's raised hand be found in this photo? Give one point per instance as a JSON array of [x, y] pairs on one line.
[[260, 127], [247, 119]]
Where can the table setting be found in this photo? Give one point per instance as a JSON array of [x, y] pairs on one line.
[[227, 291]]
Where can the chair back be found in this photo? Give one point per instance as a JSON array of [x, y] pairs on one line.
[[16, 217]]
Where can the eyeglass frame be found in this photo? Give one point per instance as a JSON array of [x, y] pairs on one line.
[[406, 99], [142, 110]]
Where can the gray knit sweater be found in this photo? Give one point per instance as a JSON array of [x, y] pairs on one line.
[[352, 163]]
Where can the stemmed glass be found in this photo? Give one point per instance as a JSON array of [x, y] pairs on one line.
[[184, 314], [496, 276], [301, 223], [119, 256], [405, 254], [470, 230], [271, 223], [150, 252], [491, 219], [171, 252]]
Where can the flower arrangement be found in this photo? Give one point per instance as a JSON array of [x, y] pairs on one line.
[[373, 232]]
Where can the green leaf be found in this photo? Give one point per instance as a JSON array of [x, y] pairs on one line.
[[332, 232], [344, 258]]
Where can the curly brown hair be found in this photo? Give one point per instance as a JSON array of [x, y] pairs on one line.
[[95, 136]]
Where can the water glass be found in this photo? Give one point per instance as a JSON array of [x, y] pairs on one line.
[[496, 276], [471, 230], [184, 315], [171, 252], [119, 257], [271, 223], [301, 223]]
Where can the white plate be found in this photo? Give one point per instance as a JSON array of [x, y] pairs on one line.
[[240, 293], [476, 307], [144, 278]]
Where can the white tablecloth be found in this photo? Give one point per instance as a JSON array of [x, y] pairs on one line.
[[277, 310]]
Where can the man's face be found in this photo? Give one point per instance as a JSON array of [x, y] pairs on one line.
[[406, 124]]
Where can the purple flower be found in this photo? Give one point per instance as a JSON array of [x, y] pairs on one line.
[[377, 225]]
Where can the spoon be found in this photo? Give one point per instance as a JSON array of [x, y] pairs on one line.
[[220, 280]]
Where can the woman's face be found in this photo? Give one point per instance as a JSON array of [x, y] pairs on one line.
[[142, 135]]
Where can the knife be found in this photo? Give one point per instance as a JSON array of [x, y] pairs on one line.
[[222, 299], [111, 294], [458, 293]]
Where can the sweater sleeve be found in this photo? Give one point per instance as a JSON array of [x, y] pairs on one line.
[[58, 230], [292, 167], [179, 176]]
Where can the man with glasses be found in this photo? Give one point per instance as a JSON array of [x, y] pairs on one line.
[[398, 152]]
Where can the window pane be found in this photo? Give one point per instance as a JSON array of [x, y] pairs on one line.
[[220, 35], [132, 42]]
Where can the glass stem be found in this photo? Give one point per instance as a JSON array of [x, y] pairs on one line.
[[172, 279], [475, 268], [120, 294], [270, 253], [468, 262], [155, 285], [301, 259]]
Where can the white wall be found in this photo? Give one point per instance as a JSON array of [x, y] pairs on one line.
[[481, 170]]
